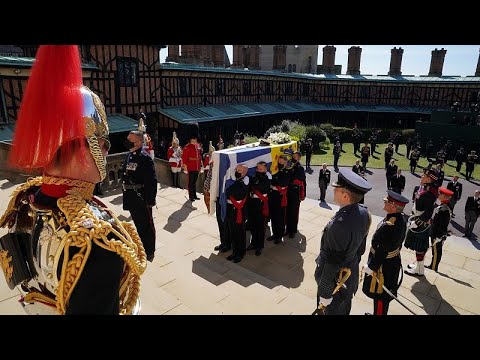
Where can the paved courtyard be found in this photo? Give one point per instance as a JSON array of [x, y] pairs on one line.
[[188, 277]]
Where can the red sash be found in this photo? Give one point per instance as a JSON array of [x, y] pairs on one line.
[[264, 200], [284, 194], [302, 188], [238, 204]]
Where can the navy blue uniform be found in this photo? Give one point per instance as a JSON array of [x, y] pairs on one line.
[[295, 194], [277, 203], [470, 165], [139, 195], [323, 181], [336, 155], [259, 184], [388, 156], [308, 154], [438, 232], [342, 246], [384, 259], [235, 233], [397, 182]]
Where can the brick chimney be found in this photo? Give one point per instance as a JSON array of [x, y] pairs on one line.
[[219, 55], [328, 61], [477, 73], [188, 51], [396, 62], [354, 54], [237, 53], [279, 57], [436, 64], [254, 57], [205, 55], [173, 53]]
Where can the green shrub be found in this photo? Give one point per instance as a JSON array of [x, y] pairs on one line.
[[298, 131], [408, 133], [316, 133], [249, 139], [328, 128], [295, 138], [325, 145]]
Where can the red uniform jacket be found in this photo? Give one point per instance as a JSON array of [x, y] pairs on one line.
[[170, 158], [206, 162], [191, 157]]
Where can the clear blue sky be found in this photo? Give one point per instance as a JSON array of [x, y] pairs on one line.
[[459, 60]]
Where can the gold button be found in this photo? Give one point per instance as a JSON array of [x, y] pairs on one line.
[[49, 275], [51, 258]]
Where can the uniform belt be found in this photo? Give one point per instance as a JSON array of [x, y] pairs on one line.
[[274, 188], [256, 196], [193, 158], [132, 187], [390, 255]]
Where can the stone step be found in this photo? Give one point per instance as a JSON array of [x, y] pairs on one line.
[[223, 287]]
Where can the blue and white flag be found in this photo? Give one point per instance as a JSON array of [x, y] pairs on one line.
[[225, 161]]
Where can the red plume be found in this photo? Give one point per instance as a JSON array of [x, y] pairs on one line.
[[51, 110]]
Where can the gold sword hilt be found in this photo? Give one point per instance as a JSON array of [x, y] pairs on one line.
[[342, 278]]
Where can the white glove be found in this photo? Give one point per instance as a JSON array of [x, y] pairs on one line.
[[367, 270], [326, 302], [413, 225]]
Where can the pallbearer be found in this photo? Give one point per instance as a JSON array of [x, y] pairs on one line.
[[237, 195], [258, 206], [295, 194], [278, 200]]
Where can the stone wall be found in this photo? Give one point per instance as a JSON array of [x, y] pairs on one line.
[[114, 167]]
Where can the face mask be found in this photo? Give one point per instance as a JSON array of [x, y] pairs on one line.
[[128, 144], [294, 161], [260, 174], [237, 175], [280, 166], [438, 201]]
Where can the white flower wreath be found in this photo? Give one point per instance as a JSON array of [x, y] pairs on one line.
[[279, 138]]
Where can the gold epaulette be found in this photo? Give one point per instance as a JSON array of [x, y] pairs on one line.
[[8, 218], [391, 221]]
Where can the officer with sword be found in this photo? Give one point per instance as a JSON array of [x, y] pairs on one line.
[[384, 262], [342, 246]]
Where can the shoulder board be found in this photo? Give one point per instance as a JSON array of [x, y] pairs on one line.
[[391, 221]]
